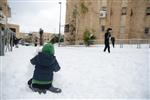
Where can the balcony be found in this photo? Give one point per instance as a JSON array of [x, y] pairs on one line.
[[2, 17]]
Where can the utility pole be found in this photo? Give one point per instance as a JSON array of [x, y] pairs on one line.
[[59, 26]]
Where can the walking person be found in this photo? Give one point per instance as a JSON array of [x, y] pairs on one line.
[[41, 36], [36, 41], [113, 41], [16, 41], [107, 37]]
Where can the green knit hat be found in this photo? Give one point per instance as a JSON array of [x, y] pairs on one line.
[[48, 49]]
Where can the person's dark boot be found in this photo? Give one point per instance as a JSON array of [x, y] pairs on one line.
[[54, 90], [37, 90]]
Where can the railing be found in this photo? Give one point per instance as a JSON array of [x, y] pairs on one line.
[[137, 42], [121, 42]]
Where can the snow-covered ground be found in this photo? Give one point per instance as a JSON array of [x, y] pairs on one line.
[[86, 72]]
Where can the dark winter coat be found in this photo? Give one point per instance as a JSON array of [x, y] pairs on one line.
[[113, 39], [45, 65], [15, 40], [107, 36]]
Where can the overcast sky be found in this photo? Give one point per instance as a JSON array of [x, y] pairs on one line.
[[34, 14]]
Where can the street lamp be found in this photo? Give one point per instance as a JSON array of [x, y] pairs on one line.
[[59, 25]]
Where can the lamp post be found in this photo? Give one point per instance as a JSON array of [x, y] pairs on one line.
[[59, 26]]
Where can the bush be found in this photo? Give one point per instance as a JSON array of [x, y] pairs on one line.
[[28, 39], [88, 38], [55, 39], [83, 8]]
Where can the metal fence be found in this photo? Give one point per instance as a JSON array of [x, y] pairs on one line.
[[137, 42], [6, 41], [121, 42]]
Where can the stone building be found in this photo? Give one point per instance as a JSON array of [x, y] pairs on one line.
[[5, 12], [46, 36], [129, 19], [15, 28]]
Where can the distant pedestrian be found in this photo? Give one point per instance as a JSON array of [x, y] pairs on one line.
[[107, 37], [41, 36], [113, 41], [36, 41], [16, 41]]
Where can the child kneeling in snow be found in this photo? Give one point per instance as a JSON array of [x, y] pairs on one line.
[[45, 64]]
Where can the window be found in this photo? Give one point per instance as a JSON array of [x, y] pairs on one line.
[[147, 30], [148, 11], [102, 28], [1, 13], [13, 29], [102, 14], [30, 34], [104, 9], [67, 28], [1, 8], [122, 29], [124, 11]]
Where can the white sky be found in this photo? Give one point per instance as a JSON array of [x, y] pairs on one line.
[[32, 15]]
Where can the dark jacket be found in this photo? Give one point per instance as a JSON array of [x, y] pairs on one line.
[[107, 36], [113, 39], [45, 65]]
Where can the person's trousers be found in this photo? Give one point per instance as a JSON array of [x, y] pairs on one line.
[[107, 47], [113, 43], [39, 86]]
